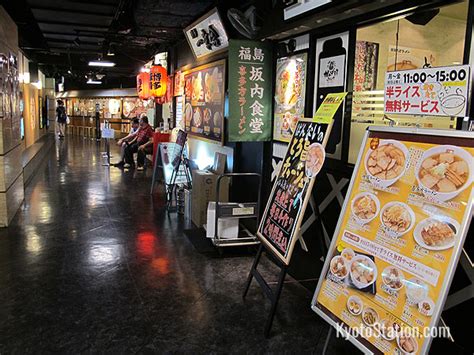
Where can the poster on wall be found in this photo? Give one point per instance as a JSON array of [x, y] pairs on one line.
[[398, 239], [405, 58], [330, 77], [204, 101], [207, 35], [250, 91], [366, 65], [290, 91], [134, 107], [178, 83], [304, 158], [441, 91]]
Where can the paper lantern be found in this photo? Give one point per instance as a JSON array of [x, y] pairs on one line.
[[143, 86], [158, 80]]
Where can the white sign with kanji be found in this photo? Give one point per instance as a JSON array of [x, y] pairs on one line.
[[441, 91]]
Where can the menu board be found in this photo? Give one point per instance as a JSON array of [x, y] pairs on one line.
[[250, 91], [204, 101], [170, 154], [290, 89], [281, 220], [441, 91], [399, 238]]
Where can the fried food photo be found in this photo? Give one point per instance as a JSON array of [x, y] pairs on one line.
[[438, 233]]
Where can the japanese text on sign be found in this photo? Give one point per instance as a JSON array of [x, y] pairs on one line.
[[439, 91]]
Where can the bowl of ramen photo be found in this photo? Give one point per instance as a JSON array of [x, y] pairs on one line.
[[188, 114], [444, 171], [397, 218], [436, 233], [314, 159], [338, 267], [365, 207], [386, 163], [363, 271]]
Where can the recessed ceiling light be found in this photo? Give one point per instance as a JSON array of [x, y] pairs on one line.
[[100, 63]]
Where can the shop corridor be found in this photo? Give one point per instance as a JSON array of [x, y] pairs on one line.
[[92, 263]]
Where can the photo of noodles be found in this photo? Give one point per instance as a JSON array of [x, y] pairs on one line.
[[314, 159], [386, 162], [188, 114], [444, 172], [397, 217], [365, 206]]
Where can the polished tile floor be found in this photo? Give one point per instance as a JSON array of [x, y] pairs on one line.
[[92, 263]]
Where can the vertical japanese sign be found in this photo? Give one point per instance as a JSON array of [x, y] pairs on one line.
[[399, 238], [442, 91], [250, 90], [281, 221], [290, 90]]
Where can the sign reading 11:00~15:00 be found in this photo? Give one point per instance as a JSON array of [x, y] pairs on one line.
[[439, 91]]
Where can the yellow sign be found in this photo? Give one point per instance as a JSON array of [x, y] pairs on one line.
[[400, 235], [329, 107]]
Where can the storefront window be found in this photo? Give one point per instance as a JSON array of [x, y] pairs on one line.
[[438, 42]]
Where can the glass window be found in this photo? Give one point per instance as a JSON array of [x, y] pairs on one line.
[[430, 39]]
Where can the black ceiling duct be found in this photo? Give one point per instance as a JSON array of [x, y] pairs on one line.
[[422, 18]]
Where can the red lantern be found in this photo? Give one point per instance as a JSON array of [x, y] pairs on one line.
[[158, 80], [143, 86]]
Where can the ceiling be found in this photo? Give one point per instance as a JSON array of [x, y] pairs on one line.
[[62, 36]]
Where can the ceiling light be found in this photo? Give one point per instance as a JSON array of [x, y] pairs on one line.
[[100, 63], [94, 82], [69, 72], [110, 53]]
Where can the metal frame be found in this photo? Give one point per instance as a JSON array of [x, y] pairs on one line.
[[454, 258], [226, 210]]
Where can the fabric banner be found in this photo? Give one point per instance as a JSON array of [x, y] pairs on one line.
[[250, 91]]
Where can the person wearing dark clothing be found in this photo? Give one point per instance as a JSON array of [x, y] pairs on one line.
[[61, 118], [141, 144]]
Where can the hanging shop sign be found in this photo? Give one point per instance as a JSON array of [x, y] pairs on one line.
[[204, 101], [441, 91], [327, 110], [399, 238], [330, 77], [158, 81], [281, 221], [250, 91], [207, 35], [178, 83], [143, 86], [290, 89], [366, 66], [169, 92]]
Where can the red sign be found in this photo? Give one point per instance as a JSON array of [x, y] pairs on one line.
[[158, 80], [143, 86]]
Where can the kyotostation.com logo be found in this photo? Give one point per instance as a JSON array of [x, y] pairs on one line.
[[407, 338]]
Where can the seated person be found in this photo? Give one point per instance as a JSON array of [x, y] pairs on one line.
[[123, 142], [141, 143]]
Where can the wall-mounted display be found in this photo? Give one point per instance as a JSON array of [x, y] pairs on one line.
[[134, 107], [330, 77], [204, 101], [365, 66], [207, 35], [290, 90], [178, 83], [399, 237], [250, 91], [441, 91]]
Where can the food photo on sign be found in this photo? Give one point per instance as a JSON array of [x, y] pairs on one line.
[[399, 236]]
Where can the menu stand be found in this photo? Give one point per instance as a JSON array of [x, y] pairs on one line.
[[272, 295]]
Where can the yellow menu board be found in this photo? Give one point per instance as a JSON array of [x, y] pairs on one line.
[[398, 239]]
